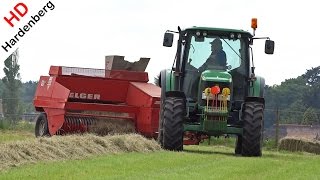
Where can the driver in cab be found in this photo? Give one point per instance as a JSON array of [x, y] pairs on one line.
[[217, 58]]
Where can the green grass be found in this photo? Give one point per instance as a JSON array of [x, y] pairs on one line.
[[230, 142], [221, 141], [197, 162], [13, 135]]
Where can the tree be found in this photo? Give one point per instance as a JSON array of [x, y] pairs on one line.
[[312, 79], [310, 117], [287, 97], [312, 76], [27, 95], [12, 85]]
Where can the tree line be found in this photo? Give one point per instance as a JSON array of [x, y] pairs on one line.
[[297, 100]]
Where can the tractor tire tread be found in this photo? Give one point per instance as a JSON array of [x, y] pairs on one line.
[[252, 129], [173, 116]]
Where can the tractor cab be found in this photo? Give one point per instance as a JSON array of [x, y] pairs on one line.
[[214, 56]]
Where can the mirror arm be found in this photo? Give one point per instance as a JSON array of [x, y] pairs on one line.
[[260, 38], [172, 31]]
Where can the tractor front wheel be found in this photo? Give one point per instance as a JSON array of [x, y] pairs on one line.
[[252, 129], [173, 116], [41, 128]]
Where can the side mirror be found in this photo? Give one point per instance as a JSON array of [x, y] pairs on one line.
[[269, 47], [168, 39]]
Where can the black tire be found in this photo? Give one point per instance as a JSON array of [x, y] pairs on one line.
[[41, 128], [173, 116], [252, 129], [238, 148]]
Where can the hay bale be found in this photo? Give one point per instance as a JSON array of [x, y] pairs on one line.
[[71, 147], [301, 145]]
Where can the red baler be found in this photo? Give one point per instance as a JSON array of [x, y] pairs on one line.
[[71, 99]]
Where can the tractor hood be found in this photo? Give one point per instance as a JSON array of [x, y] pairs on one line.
[[216, 76]]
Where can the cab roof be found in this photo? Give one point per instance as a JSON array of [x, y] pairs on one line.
[[220, 30]]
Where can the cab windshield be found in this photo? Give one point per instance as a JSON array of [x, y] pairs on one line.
[[214, 52]]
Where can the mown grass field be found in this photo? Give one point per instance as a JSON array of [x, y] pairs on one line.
[[196, 162]]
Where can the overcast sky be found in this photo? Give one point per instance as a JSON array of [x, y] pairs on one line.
[[81, 33]]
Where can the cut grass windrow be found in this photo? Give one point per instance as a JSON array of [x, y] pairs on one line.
[[71, 147]]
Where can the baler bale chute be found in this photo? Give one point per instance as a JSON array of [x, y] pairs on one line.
[[117, 98]]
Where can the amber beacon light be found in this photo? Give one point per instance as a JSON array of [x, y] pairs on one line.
[[254, 23]]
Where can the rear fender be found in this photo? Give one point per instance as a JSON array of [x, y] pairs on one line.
[[257, 87], [166, 82], [162, 83]]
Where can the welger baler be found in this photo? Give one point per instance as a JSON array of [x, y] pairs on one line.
[[73, 100]]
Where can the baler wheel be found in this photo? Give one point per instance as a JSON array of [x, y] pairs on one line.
[[41, 128], [252, 129], [173, 116]]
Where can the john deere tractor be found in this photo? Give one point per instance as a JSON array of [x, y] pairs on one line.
[[212, 89]]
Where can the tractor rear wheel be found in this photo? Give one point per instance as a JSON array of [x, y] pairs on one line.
[[252, 129], [41, 128], [173, 116], [238, 148]]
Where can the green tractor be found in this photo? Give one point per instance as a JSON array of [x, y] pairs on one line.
[[212, 89]]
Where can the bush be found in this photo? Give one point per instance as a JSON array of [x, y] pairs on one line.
[[20, 125], [24, 126], [4, 124]]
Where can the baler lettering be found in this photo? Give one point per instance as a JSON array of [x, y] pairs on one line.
[[96, 96], [75, 95], [90, 96], [71, 95], [83, 96]]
